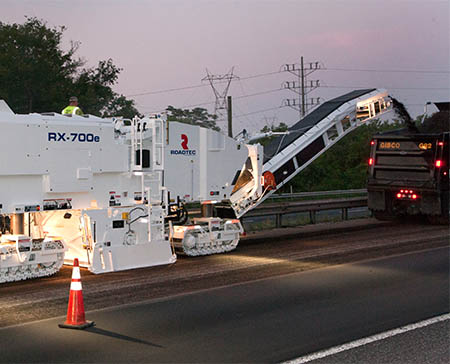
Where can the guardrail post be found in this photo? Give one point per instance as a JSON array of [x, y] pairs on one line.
[[312, 216], [278, 220], [344, 213]]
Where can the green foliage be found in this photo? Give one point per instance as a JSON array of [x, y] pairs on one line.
[[97, 97], [36, 75], [197, 116], [34, 71], [438, 122], [281, 127], [120, 105], [344, 165]]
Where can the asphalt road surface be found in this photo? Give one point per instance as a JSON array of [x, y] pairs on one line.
[[424, 345], [269, 320], [260, 255]]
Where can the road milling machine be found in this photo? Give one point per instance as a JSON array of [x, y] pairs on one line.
[[111, 191]]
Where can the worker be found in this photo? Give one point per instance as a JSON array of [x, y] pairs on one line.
[[73, 108]]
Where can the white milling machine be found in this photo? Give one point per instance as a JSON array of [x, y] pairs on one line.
[[98, 189]]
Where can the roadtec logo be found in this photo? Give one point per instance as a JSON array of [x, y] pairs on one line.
[[184, 145]]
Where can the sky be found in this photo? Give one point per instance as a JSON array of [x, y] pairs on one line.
[[402, 46]]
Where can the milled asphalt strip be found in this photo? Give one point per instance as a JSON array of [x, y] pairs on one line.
[[367, 340], [176, 295], [137, 282]]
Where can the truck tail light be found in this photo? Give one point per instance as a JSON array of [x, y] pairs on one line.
[[407, 195]]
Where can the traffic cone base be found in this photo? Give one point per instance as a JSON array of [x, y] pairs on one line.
[[77, 327], [75, 311]]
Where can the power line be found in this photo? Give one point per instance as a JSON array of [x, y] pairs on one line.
[[197, 86], [212, 102], [165, 91], [379, 70], [259, 93], [392, 88], [245, 101], [182, 107], [255, 112], [280, 71], [261, 75]]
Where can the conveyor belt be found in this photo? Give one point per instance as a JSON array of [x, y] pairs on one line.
[[312, 119], [289, 154]]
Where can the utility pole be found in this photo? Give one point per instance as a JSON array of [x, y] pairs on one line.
[[221, 96], [230, 118], [301, 87]]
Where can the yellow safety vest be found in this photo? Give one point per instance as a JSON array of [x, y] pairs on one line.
[[72, 110]]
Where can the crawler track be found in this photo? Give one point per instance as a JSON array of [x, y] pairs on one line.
[[258, 256]]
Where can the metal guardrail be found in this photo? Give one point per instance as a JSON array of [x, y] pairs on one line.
[[278, 209], [317, 194], [283, 208]]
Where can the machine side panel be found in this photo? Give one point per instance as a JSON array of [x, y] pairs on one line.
[[225, 158], [59, 159], [182, 159], [201, 163], [21, 149]]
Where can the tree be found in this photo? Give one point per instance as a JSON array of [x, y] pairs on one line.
[[197, 116], [36, 75], [438, 122], [280, 128], [97, 97], [34, 71], [344, 165]]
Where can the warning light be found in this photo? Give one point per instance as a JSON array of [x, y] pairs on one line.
[[441, 144], [399, 195], [372, 142], [414, 196], [370, 161], [438, 163]]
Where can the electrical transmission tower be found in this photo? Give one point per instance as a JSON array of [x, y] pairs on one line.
[[302, 87], [221, 96]]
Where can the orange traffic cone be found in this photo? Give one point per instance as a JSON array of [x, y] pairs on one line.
[[75, 312]]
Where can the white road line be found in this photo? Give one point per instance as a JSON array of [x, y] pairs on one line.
[[367, 340]]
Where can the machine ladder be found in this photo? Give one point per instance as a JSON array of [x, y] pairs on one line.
[[147, 160]]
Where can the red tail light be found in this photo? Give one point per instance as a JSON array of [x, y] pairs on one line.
[[372, 143], [407, 195], [438, 163], [370, 161]]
